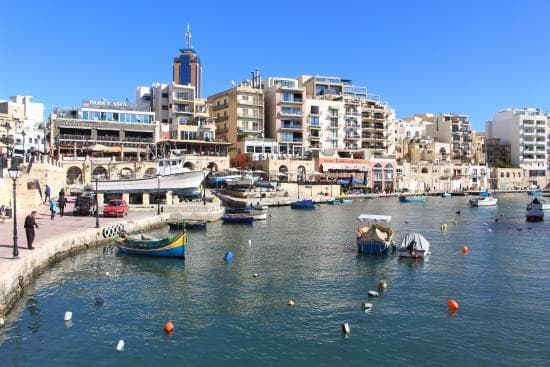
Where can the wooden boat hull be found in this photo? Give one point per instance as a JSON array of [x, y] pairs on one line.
[[238, 219], [412, 199], [171, 247], [178, 226], [373, 248]]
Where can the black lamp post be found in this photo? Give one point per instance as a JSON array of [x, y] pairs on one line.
[[204, 186], [96, 177], [24, 155], [158, 193], [14, 174]]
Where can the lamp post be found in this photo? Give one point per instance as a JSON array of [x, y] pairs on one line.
[[14, 174], [158, 193], [24, 155], [96, 178], [204, 186]]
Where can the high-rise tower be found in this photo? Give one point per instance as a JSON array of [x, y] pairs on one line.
[[188, 67]]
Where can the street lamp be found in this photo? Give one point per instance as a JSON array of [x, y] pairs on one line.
[[14, 175], [96, 178], [24, 155], [204, 186], [158, 193]]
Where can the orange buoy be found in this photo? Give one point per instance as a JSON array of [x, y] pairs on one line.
[[464, 249], [453, 305], [168, 327]]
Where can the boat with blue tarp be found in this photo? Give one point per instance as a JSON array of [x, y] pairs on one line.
[[374, 235], [535, 192], [171, 246], [303, 204]]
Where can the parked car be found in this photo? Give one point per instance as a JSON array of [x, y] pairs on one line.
[[85, 205], [75, 190], [190, 193], [115, 208]]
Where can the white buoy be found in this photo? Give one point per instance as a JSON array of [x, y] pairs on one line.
[[249, 243], [120, 346], [2, 322], [367, 306], [345, 328], [290, 302], [68, 316], [108, 274], [489, 230], [255, 275], [373, 294]]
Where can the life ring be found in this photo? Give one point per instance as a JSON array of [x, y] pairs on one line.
[[105, 234]]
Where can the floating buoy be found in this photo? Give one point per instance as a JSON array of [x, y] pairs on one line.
[[345, 328], [290, 302], [458, 212], [464, 249], [367, 306], [373, 294], [168, 327], [382, 284], [98, 301], [443, 227], [453, 305], [108, 274], [68, 316], [255, 275], [228, 256], [249, 243], [2, 322], [489, 230], [496, 219], [120, 346]]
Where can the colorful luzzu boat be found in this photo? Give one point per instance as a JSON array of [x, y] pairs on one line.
[[173, 246]]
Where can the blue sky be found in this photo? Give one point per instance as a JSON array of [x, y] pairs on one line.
[[472, 57]]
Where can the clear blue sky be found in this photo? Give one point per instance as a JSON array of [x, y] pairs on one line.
[[472, 57]]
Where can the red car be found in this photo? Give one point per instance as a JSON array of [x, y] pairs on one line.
[[115, 208]]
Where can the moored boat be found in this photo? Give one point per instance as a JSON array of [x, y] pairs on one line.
[[538, 203], [534, 192], [446, 195], [303, 204], [187, 224], [259, 206], [172, 246], [333, 202], [242, 218], [534, 215], [412, 199], [413, 246], [259, 215], [483, 201], [231, 210], [375, 236], [346, 201]]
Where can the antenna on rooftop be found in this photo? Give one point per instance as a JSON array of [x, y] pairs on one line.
[[188, 36]]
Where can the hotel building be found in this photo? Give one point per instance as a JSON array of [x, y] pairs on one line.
[[187, 69], [526, 130]]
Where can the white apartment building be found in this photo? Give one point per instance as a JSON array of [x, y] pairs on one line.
[[182, 116], [526, 130], [326, 124]]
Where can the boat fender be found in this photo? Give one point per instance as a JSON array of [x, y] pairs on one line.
[[249, 243], [168, 327], [367, 306], [345, 328], [120, 346], [373, 294], [489, 230], [255, 275], [104, 232], [68, 316], [228, 257]]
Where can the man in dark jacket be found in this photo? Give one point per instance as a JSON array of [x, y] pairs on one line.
[[30, 223]]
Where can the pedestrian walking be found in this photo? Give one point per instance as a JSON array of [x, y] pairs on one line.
[[30, 224], [62, 193], [61, 203], [53, 208], [47, 193]]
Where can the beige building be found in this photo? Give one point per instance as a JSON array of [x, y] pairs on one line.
[[509, 178], [424, 150], [453, 129], [239, 114], [478, 148]]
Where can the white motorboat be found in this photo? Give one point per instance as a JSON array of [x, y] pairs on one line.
[[414, 246], [538, 204], [484, 201], [170, 182], [259, 206], [259, 215]]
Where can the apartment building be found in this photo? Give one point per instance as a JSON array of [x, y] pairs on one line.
[[454, 129], [497, 152], [285, 117], [326, 124], [526, 130], [238, 113]]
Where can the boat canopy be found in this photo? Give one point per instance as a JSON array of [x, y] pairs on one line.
[[374, 218], [414, 242]]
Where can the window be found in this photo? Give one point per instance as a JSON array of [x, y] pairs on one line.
[[164, 94], [250, 149], [245, 98], [165, 107], [314, 110]]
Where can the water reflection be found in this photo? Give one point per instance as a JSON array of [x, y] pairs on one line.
[[35, 319]]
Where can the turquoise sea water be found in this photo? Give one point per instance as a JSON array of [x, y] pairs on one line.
[[224, 316]]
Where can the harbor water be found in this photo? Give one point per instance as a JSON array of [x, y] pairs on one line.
[[224, 315]]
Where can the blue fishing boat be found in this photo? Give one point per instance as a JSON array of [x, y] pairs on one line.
[[412, 199], [231, 210], [173, 246], [534, 193], [241, 218], [303, 204], [374, 235]]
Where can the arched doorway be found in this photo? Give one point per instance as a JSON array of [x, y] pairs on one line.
[[301, 174], [443, 153], [378, 179], [283, 173], [100, 172], [74, 175], [149, 172], [189, 166], [125, 173], [212, 167]]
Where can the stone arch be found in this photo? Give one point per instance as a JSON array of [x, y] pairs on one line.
[[388, 171], [189, 165], [424, 170], [100, 172], [151, 171], [283, 173], [212, 167], [443, 152], [125, 173], [301, 173], [74, 175]]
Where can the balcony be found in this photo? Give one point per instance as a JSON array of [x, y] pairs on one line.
[[251, 102], [108, 138], [291, 126], [74, 137], [314, 126], [248, 116], [352, 137], [291, 101], [352, 113], [333, 126], [291, 113], [185, 97], [334, 115], [132, 139], [291, 140], [314, 138], [247, 129], [222, 118], [220, 106]]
